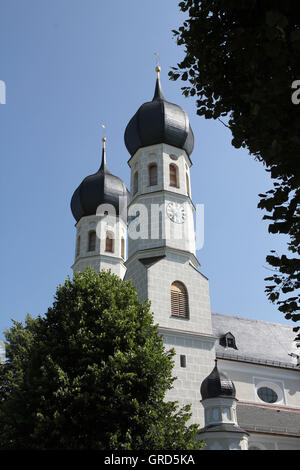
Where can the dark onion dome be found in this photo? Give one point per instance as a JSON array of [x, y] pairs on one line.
[[100, 188], [217, 384], [159, 121]]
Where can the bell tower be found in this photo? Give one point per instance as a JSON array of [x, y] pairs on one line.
[[160, 178], [162, 259], [99, 207]]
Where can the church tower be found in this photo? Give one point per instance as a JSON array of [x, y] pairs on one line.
[[99, 208], [162, 259]]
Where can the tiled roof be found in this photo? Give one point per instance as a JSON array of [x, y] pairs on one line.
[[267, 419], [256, 340]]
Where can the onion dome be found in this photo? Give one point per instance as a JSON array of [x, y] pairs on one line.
[[159, 121], [100, 188], [217, 384]]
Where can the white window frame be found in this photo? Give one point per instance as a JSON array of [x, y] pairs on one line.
[[278, 388]]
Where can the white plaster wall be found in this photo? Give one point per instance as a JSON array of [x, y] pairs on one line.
[[220, 410], [98, 264], [247, 377], [152, 228], [273, 442], [224, 441], [100, 259], [163, 155], [156, 229]]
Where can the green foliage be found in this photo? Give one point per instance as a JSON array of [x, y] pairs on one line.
[[241, 58], [91, 374]]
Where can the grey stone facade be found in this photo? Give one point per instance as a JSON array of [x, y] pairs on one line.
[[154, 264]]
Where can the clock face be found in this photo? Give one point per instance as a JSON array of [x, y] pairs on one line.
[[176, 212]]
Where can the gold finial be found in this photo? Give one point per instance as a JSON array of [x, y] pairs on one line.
[[103, 138]]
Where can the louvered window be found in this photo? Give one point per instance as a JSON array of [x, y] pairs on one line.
[[173, 175], [109, 243], [92, 241], [152, 174], [179, 300]]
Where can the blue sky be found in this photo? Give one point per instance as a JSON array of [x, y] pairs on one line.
[[70, 65]]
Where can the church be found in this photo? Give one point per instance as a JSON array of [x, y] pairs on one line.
[[241, 376]]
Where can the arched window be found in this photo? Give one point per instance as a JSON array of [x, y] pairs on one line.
[[78, 246], [152, 174], [179, 300], [187, 184], [123, 248], [109, 242], [135, 182], [174, 175], [92, 241]]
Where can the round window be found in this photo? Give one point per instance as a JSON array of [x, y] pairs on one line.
[[267, 394]]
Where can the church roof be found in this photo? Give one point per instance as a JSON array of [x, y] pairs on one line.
[[256, 341], [223, 427], [268, 419], [99, 188], [159, 121], [217, 384]]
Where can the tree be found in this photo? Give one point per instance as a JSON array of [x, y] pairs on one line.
[[241, 61], [91, 374]]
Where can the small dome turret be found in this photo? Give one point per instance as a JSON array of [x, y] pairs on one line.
[[159, 121], [217, 384], [99, 188]]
